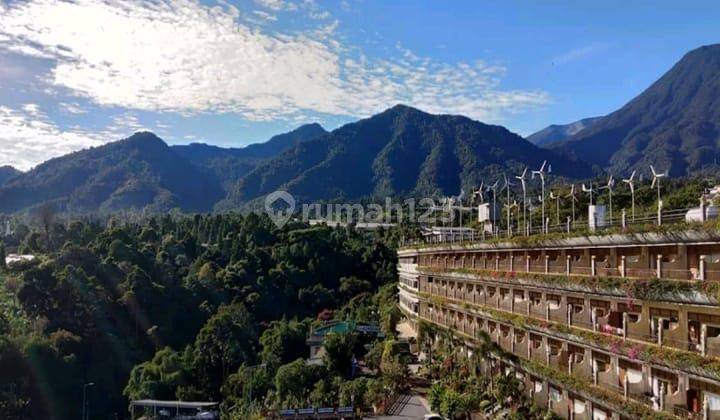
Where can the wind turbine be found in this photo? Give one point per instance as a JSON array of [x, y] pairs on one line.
[[573, 198], [630, 181], [557, 205], [656, 180], [541, 173], [589, 190], [479, 193], [506, 186], [609, 186], [522, 179], [493, 188]]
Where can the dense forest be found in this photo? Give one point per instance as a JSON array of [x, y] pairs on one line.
[[213, 307]]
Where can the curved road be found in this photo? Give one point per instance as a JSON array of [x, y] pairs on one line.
[[407, 407]]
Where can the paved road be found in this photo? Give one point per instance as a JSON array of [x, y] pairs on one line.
[[408, 407]]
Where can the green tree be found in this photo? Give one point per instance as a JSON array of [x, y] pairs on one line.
[[227, 340], [451, 405], [3, 264], [246, 388], [294, 382], [284, 341], [158, 378], [339, 352]]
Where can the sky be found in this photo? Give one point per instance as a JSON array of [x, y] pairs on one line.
[[79, 74]]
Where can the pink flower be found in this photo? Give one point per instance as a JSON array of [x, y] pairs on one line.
[[634, 352]]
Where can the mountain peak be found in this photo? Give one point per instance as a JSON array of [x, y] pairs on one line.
[[312, 125], [558, 132], [704, 50], [674, 123], [144, 137], [402, 108], [400, 152], [7, 172]]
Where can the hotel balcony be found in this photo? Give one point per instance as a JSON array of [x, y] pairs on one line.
[[572, 304]]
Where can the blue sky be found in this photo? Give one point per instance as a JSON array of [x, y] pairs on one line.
[[74, 75]]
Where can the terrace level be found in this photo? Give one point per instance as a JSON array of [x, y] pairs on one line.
[[635, 316], [692, 255]]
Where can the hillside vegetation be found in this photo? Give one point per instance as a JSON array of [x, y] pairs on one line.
[[184, 308]]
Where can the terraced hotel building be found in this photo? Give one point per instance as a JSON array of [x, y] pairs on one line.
[[617, 326]]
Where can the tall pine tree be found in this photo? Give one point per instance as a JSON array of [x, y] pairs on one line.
[[2, 256]]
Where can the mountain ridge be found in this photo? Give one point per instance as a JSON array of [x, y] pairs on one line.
[[555, 133], [674, 124], [7, 172], [137, 172], [230, 164], [399, 151]]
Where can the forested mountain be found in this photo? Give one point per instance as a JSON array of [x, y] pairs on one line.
[[559, 132], [7, 173], [400, 151], [674, 124], [140, 171], [230, 164]]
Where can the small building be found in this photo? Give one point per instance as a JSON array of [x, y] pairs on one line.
[[316, 338], [174, 410], [437, 234]]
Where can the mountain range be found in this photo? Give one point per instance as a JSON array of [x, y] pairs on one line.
[[674, 124], [138, 172], [559, 132], [230, 164], [401, 151]]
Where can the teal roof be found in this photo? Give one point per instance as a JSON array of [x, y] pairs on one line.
[[340, 327], [337, 328]]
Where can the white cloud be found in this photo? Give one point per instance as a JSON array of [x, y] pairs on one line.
[[580, 53], [265, 15], [29, 137], [71, 108], [184, 56], [277, 4], [31, 109]]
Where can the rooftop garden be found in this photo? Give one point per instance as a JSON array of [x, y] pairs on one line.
[[632, 288], [637, 231], [486, 349]]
